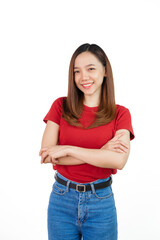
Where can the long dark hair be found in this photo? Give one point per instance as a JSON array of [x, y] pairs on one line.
[[73, 105]]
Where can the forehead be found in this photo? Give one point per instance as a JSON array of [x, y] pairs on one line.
[[86, 58]]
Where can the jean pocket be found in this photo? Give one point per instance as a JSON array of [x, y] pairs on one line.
[[59, 188], [103, 193]]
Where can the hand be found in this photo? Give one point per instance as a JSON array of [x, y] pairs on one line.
[[116, 145], [47, 159], [53, 153]]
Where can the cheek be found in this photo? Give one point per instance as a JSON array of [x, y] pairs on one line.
[[76, 79], [101, 78], [76, 82], [98, 78]]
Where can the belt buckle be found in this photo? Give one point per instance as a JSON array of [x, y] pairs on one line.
[[80, 185]]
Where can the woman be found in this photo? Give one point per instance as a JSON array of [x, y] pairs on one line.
[[87, 138]]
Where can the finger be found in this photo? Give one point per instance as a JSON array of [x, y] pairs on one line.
[[54, 164], [42, 160], [120, 142], [40, 153], [123, 144], [54, 160], [45, 154], [47, 160], [115, 138], [119, 146], [42, 150], [119, 150]]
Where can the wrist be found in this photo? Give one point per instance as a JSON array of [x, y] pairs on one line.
[[70, 150], [75, 152]]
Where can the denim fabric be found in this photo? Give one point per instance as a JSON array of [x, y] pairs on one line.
[[76, 215]]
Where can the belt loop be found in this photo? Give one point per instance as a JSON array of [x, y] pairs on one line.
[[55, 175], [92, 187], [68, 182]]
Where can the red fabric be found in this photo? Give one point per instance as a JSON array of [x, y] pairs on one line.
[[93, 138]]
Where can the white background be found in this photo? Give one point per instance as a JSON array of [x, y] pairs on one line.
[[36, 43]]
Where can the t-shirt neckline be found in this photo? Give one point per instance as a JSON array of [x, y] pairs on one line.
[[90, 109]]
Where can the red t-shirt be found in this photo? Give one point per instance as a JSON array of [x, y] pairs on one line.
[[93, 138]]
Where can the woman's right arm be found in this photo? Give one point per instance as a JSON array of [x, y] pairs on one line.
[[49, 139]]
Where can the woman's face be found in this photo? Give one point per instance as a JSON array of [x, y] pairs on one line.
[[89, 74]]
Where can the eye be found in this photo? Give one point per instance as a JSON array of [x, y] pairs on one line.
[[91, 69], [75, 72]]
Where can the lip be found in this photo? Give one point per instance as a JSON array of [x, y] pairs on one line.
[[87, 85]]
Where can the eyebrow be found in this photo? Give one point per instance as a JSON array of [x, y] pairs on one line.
[[87, 65]]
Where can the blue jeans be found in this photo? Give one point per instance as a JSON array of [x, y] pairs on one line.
[[89, 215]]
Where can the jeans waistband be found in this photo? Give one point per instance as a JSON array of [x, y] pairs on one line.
[[99, 184], [94, 182]]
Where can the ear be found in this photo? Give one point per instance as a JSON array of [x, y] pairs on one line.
[[105, 74]]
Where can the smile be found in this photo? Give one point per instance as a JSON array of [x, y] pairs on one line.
[[87, 85]]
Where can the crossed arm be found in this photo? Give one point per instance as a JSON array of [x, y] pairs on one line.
[[113, 154]]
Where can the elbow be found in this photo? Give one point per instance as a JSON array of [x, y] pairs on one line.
[[122, 162], [120, 166]]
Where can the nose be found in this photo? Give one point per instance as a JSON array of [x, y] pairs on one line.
[[84, 76]]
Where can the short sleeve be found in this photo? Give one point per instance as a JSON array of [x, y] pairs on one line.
[[55, 111], [124, 121]]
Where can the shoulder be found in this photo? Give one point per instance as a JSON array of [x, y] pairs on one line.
[[120, 110], [55, 112], [58, 102], [123, 119], [57, 105]]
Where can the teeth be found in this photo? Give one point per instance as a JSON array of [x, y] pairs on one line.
[[86, 85]]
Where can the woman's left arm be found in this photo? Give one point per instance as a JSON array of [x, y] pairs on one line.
[[102, 157], [97, 157]]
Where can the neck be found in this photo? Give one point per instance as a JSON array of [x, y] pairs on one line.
[[90, 101]]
